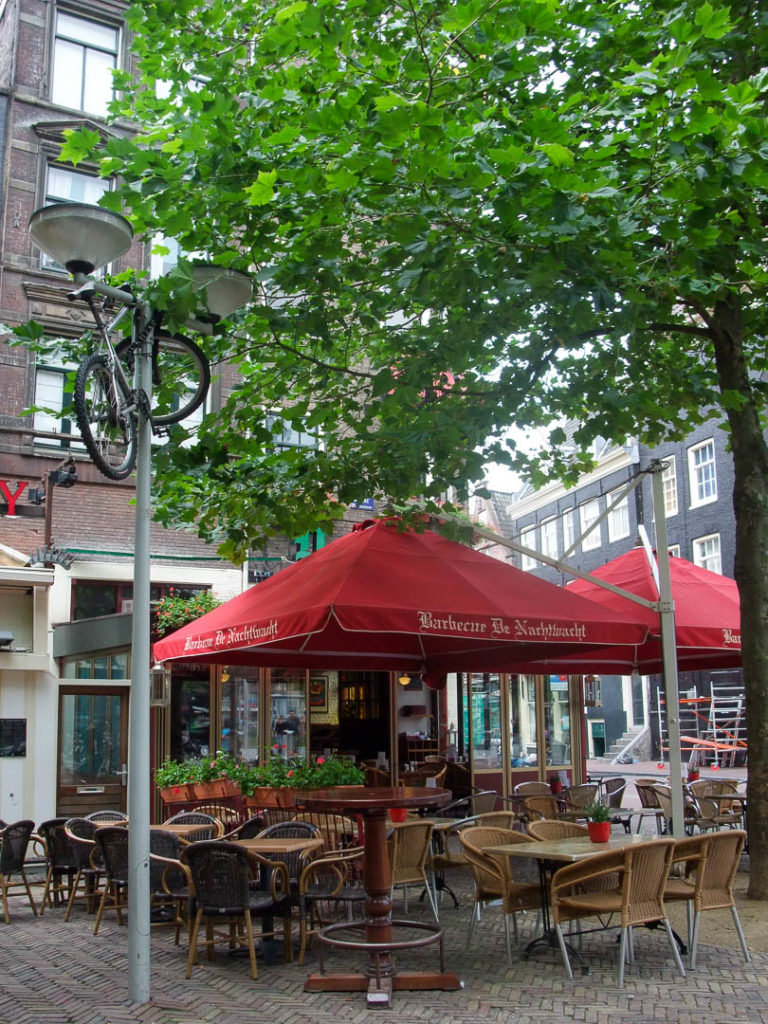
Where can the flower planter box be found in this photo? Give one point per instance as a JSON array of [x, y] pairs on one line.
[[210, 790], [270, 796], [176, 794]]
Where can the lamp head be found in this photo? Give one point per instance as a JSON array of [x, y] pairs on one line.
[[225, 290], [80, 236], [404, 679]]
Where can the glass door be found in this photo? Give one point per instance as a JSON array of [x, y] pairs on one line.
[[93, 750]]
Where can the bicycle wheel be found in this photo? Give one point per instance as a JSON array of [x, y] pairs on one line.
[[181, 376], [109, 436]]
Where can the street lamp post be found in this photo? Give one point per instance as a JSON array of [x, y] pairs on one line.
[[82, 238]]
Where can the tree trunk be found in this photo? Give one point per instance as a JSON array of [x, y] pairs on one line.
[[750, 504]]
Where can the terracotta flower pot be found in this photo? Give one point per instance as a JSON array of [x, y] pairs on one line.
[[599, 831], [555, 786], [209, 790], [272, 796], [176, 794], [398, 813]]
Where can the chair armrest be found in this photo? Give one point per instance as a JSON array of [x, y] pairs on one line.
[[276, 869], [587, 870], [171, 864]]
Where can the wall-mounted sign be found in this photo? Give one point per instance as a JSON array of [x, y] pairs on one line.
[[13, 737], [12, 506]]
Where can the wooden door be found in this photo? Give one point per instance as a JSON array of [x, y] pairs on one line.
[[93, 749]]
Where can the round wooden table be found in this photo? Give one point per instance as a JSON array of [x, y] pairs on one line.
[[379, 978]]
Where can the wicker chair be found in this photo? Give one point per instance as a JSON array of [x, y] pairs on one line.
[[338, 832], [107, 816], [327, 885], [614, 787], [710, 862], [716, 813], [493, 878], [250, 828], [112, 846], [212, 827], [89, 868], [294, 862], [532, 788], [690, 810], [649, 800], [578, 798], [637, 896], [547, 828], [409, 845], [163, 847], [13, 851], [220, 874], [60, 863], [537, 807]]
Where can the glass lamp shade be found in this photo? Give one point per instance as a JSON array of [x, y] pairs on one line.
[[80, 236], [225, 290]]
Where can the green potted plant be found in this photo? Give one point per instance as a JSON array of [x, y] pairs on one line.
[[211, 776], [173, 780], [599, 822], [276, 782]]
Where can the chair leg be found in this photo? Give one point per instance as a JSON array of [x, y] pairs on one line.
[[102, 903], [673, 944], [473, 919], [563, 950], [251, 949], [192, 955], [622, 955], [508, 941], [740, 933]]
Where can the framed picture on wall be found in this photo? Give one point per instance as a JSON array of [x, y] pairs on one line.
[[318, 693]]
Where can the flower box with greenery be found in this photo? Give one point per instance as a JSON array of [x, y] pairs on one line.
[[174, 611], [598, 822], [174, 781], [277, 782], [216, 777]]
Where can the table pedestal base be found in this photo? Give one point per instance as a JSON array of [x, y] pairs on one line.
[[380, 992]]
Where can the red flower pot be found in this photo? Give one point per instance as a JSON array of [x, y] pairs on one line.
[[398, 813], [599, 831], [555, 786], [176, 794]]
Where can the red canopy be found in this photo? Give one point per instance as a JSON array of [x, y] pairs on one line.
[[707, 618], [386, 598]]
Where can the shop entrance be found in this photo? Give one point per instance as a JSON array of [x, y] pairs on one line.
[[93, 750]]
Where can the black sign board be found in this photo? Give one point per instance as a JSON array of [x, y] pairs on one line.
[[13, 737]]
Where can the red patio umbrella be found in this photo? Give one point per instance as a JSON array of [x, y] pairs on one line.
[[386, 598], [707, 618]]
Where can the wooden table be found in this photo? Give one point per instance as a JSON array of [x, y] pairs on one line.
[[379, 979], [274, 847]]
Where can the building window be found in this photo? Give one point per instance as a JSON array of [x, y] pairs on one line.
[[63, 185], [706, 552], [549, 538], [286, 437], [618, 517], [669, 485], [674, 550], [589, 512], [84, 57], [528, 540], [569, 530], [53, 397], [701, 470]]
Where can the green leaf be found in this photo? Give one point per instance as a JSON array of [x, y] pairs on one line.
[[262, 190]]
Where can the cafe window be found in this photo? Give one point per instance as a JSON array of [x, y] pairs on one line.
[[288, 714], [557, 721], [240, 713], [522, 714], [485, 696]]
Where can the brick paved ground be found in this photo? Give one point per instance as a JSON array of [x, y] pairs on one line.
[[57, 973]]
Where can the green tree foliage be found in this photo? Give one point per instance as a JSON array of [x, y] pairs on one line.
[[464, 216]]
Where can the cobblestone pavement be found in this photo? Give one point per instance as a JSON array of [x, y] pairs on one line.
[[57, 973]]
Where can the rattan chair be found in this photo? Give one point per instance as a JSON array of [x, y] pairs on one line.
[[537, 807], [112, 846], [409, 847], [716, 813], [493, 878], [637, 896], [107, 816], [327, 886], [89, 868], [649, 800], [614, 787], [338, 832], [60, 863], [292, 829], [250, 828], [549, 828], [14, 840], [710, 862], [578, 798], [211, 826], [532, 788], [220, 874]]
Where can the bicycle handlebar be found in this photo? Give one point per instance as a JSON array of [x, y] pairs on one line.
[[89, 286]]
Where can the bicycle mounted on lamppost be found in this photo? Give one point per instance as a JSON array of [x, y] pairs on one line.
[[108, 400]]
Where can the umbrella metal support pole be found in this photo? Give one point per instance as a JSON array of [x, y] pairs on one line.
[[139, 718], [669, 654]]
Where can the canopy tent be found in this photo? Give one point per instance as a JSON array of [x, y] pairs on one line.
[[384, 597], [707, 619]]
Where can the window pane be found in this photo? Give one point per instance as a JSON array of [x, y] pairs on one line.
[[91, 32], [97, 91], [71, 186], [557, 721], [528, 540], [669, 483], [120, 666], [240, 716], [288, 714], [588, 513], [569, 529], [706, 553], [549, 538], [522, 710], [67, 82], [618, 518], [486, 720], [191, 713]]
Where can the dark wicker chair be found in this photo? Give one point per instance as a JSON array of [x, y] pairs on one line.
[[248, 830], [61, 867], [327, 886], [294, 862], [13, 851], [221, 876], [212, 827], [107, 816], [112, 844], [89, 869]]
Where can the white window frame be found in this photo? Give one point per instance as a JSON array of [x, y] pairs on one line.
[[669, 485], [707, 552], [290, 438], [569, 529], [673, 550], [528, 540], [68, 35], [589, 511], [549, 545], [50, 393], [618, 517], [702, 477]]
